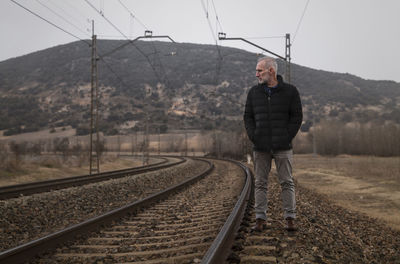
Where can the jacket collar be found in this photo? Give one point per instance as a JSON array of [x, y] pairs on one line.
[[280, 83]]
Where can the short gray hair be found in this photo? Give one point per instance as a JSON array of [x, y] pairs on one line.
[[269, 62]]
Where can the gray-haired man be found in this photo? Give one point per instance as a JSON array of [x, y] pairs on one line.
[[272, 117]]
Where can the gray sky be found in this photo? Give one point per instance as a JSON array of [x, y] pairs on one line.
[[361, 37]]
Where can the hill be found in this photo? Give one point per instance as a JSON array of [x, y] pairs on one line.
[[176, 85]]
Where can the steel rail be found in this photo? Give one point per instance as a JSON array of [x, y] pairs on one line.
[[27, 251], [12, 191], [221, 247]]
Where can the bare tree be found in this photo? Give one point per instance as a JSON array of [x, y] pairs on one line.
[[62, 145], [18, 149], [3, 154]]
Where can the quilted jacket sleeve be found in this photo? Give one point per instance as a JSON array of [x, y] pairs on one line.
[[295, 114], [248, 117]]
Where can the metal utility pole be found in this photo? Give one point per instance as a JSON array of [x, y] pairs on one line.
[[287, 57], [159, 141], [132, 145], [135, 142], [146, 143], [118, 146], [186, 143], [314, 138], [94, 157]]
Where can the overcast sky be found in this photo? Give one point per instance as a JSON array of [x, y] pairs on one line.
[[361, 37]]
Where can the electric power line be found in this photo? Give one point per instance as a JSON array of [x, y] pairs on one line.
[[111, 70], [216, 17], [219, 59], [131, 42], [75, 9], [270, 37], [73, 13], [132, 15], [157, 56], [208, 21], [301, 19], [54, 25], [60, 16], [49, 22]]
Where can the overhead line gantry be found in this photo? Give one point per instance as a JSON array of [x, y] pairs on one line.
[[287, 58], [147, 34]]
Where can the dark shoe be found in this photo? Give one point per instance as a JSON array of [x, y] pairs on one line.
[[260, 225], [290, 225]]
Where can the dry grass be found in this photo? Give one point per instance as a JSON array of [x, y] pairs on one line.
[[40, 135], [53, 167], [370, 185]]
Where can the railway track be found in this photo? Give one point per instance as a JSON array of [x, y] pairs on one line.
[[197, 223], [12, 191]]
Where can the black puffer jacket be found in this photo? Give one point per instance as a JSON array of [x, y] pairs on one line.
[[273, 121]]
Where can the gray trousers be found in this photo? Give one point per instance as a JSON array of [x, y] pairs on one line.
[[262, 166]]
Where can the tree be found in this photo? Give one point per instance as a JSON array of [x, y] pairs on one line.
[[61, 145], [18, 149]]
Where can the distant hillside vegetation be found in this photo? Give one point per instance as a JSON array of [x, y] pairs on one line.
[[175, 85]]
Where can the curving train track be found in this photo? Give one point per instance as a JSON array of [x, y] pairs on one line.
[[193, 221], [12, 191], [208, 220]]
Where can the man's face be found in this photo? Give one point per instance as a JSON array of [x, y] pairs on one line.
[[262, 73]]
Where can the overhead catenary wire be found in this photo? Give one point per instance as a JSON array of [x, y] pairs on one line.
[[216, 18], [270, 37], [301, 19], [101, 13], [63, 18], [76, 10], [65, 31], [132, 15], [220, 58], [156, 53], [208, 20], [62, 9], [111, 70], [51, 23], [131, 42]]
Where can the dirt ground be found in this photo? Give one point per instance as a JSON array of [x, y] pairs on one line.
[[369, 185], [52, 167]]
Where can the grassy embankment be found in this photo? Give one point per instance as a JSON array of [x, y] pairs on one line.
[[45, 167], [370, 185]]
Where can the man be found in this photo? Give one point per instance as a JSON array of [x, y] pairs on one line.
[[272, 118]]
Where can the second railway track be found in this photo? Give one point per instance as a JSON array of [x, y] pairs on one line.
[[31, 217], [43, 186], [179, 229]]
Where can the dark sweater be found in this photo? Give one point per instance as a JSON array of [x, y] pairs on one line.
[[272, 121]]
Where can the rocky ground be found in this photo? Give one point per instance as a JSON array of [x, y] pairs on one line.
[[27, 218], [178, 229], [327, 234]]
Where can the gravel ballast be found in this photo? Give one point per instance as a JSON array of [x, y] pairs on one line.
[[31, 217], [327, 233]]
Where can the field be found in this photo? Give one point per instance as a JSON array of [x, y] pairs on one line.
[[366, 184], [370, 185], [173, 141], [47, 167]]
